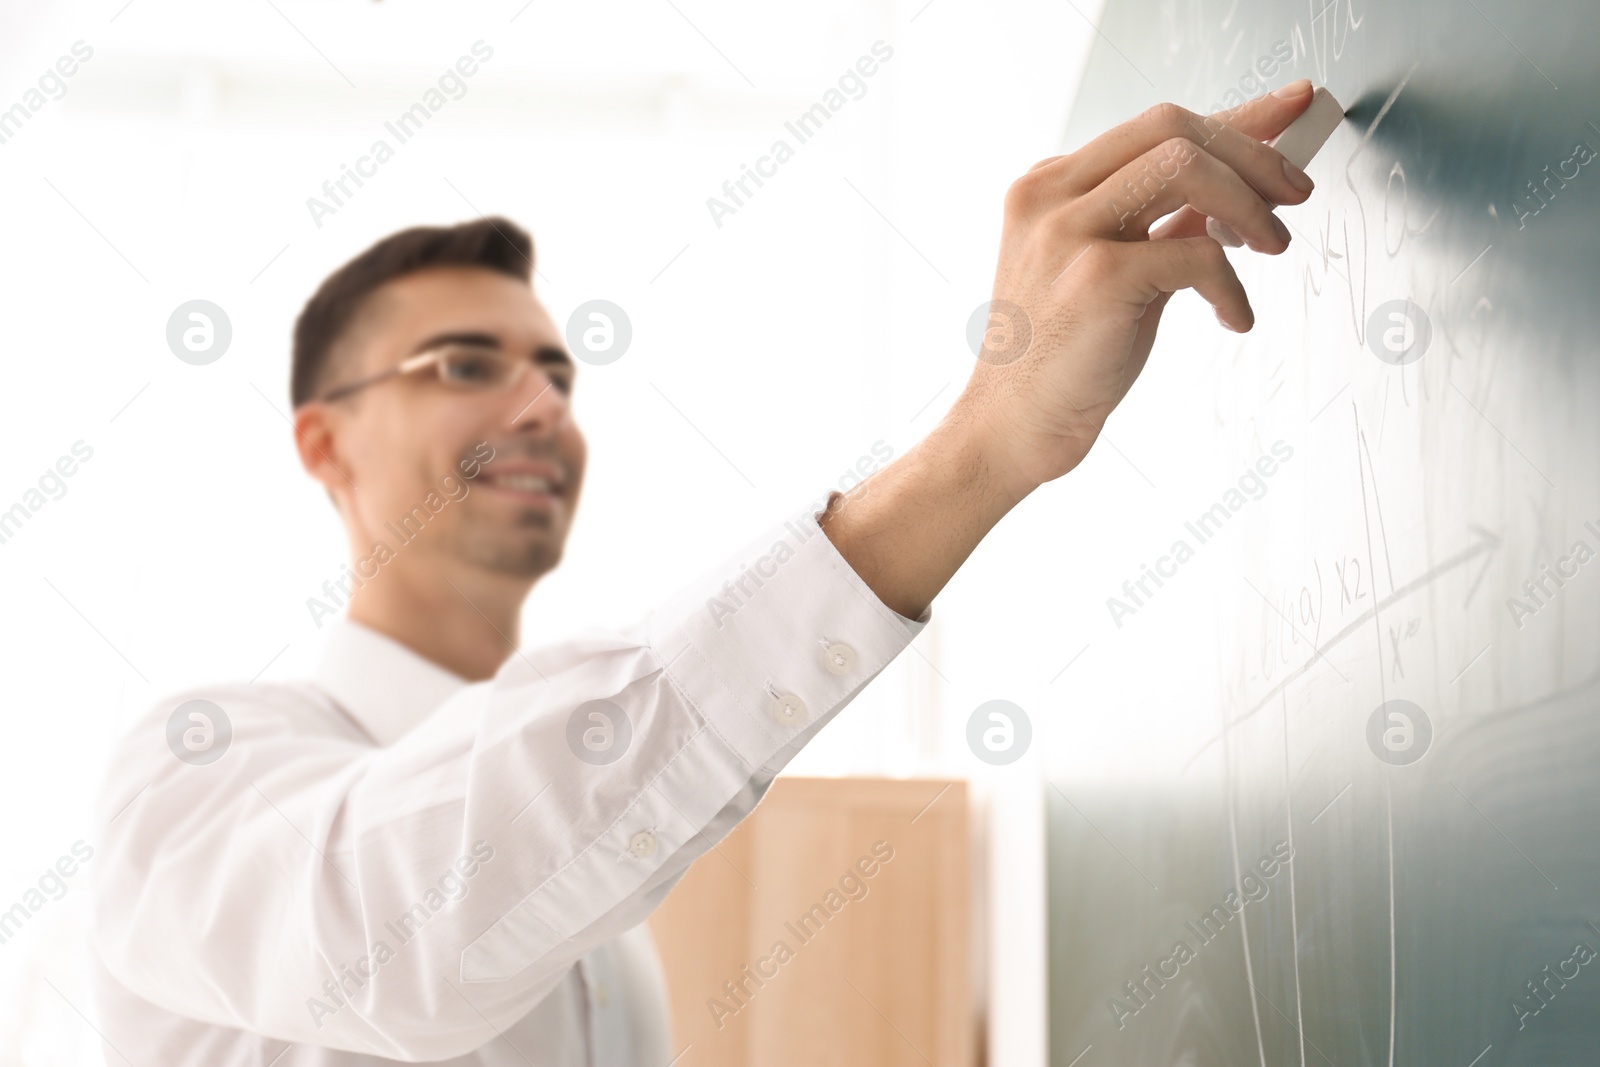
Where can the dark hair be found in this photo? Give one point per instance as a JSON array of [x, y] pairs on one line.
[[491, 242]]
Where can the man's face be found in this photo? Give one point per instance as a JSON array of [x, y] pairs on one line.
[[470, 460]]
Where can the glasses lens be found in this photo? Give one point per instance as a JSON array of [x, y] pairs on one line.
[[474, 368]]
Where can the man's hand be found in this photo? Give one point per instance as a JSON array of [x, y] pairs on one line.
[[1083, 278]]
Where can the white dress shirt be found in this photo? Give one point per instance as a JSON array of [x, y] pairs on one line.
[[389, 864]]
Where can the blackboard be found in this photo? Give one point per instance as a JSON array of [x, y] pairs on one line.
[[1385, 846]]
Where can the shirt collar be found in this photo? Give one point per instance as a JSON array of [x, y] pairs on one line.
[[385, 686]]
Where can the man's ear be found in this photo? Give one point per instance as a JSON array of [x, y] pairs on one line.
[[317, 445]]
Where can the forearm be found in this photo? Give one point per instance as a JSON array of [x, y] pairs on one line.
[[909, 527]]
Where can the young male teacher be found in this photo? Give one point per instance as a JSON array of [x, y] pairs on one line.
[[442, 849]]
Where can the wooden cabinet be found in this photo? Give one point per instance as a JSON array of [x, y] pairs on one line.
[[832, 926]]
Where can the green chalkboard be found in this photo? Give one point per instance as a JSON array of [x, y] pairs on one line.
[[1380, 841]]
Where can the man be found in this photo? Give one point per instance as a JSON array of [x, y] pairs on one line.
[[441, 848]]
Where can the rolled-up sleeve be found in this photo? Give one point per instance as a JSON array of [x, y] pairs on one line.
[[288, 888]]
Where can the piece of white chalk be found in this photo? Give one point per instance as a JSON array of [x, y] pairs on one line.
[[1298, 144]]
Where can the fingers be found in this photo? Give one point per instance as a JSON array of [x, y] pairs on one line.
[[1234, 136], [1185, 222], [1150, 268], [1263, 167], [1176, 173], [1264, 117]]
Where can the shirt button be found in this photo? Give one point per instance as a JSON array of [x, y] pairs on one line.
[[642, 844], [839, 658], [788, 709]]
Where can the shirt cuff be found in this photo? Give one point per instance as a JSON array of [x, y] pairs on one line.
[[778, 638]]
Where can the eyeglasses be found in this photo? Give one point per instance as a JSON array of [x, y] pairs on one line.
[[464, 368]]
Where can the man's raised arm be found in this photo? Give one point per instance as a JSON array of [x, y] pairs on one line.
[[1078, 293]]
